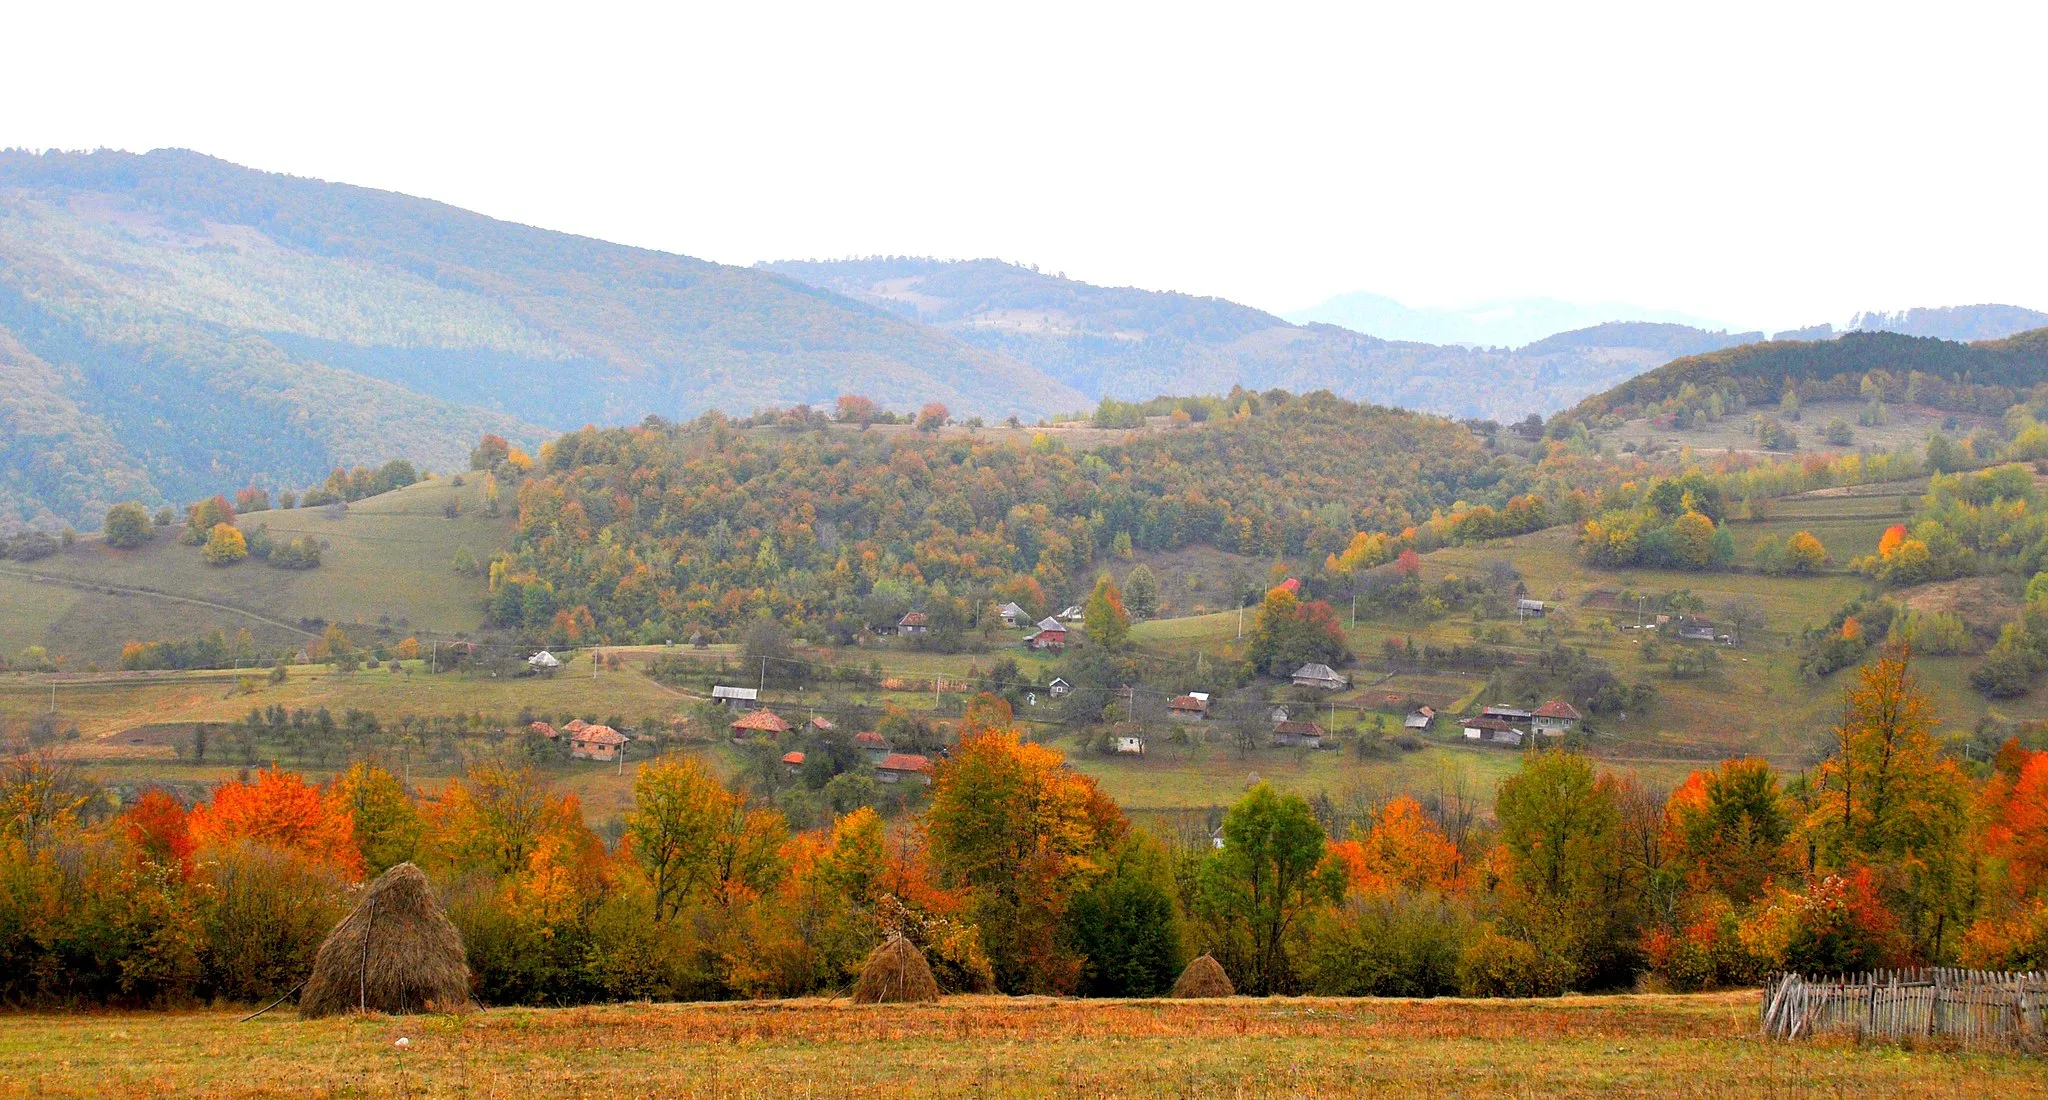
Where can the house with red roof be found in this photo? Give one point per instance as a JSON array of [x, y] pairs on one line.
[[900, 766], [597, 743], [1556, 718], [757, 721]]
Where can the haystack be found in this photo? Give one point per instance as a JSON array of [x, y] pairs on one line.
[[1204, 978], [395, 953], [895, 973]]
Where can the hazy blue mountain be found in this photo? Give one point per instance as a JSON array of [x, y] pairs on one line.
[[1965, 323], [172, 324], [1957, 323], [1128, 343], [1500, 322]]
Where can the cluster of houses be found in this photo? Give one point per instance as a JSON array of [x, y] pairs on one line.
[[1049, 633], [890, 766], [1513, 726], [587, 740]]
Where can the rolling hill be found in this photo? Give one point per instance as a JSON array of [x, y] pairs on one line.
[[170, 322], [1133, 344], [1986, 376]]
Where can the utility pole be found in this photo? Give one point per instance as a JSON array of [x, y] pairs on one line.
[[762, 690], [1354, 609]]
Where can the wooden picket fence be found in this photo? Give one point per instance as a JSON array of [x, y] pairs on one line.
[[1974, 1007]]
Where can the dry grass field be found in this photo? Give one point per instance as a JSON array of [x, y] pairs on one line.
[[1645, 1045]]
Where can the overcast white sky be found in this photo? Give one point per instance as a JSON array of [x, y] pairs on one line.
[[1767, 164]]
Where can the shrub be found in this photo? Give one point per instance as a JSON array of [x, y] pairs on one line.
[[1497, 965], [127, 526], [1394, 945]]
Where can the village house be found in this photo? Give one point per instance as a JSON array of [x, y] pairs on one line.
[[1305, 734], [1419, 718], [1319, 676], [757, 721], [821, 724], [1128, 741], [735, 698], [597, 743], [793, 762], [1277, 715], [899, 766], [1071, 614], [1696, 630], [1555, 718], [1059, 688], [1013, 614], [1513, 716], [542, 729], [1493, 730], [1192, 707], [873, 744], [575, 726], [1526, 608], [1051, 634], [916, 622]]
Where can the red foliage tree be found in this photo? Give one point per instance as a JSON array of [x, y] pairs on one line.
[[279, 809], [161, 831]]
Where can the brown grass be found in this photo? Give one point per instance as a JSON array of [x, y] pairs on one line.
[[1646, 1045], [396, 953], [1204, 978]]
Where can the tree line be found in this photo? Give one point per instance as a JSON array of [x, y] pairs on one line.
[[1020, 875]]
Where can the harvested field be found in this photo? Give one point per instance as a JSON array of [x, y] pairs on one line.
[[992, 1046]]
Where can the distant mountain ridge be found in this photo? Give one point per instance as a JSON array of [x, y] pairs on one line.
[[171, 324], [1132, 344], [1959, 323], [1499, 322]]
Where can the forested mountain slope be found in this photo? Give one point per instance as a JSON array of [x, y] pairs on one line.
[[1988, 376], [170, 323], [1134, 344]]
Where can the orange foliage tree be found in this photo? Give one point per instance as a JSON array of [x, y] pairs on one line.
[[279, 809], [1888, 799], [1403, 850], [159, 828], [1021, 833]]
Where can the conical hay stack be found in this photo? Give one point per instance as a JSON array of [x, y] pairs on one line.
[[1204, 978], [895, 973], [396, 953]]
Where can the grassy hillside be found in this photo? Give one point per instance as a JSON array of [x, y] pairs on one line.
[[388, 561], [170, 318], [1132, 344], [1642, 1045]]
